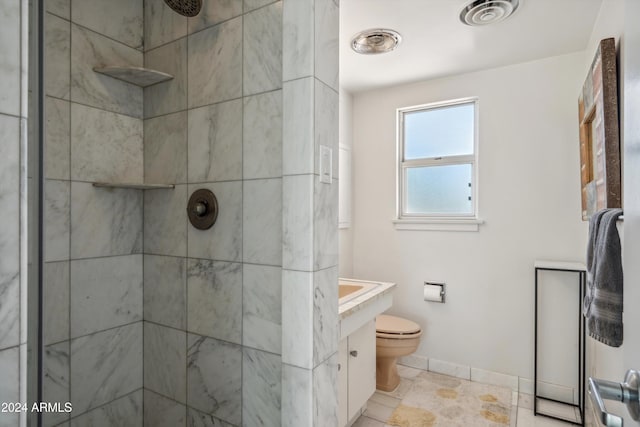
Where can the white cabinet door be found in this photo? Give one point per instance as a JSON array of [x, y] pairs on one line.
[[362, 367], [343, 382]]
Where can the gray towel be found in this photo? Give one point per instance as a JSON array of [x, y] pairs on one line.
[[603, 299]]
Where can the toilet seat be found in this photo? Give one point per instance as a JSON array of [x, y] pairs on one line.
[[392, 327]]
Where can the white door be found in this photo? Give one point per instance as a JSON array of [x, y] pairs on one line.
[[631, 184], [631, 135], [628, 356]]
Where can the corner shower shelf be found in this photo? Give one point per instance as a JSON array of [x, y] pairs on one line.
[[139, 76], [134, 186]]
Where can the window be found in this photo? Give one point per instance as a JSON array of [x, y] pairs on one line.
[[437, 161]]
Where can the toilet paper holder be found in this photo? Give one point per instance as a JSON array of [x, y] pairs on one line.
[[435, 292]]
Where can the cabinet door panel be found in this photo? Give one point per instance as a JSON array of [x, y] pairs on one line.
[[362, 366], [343, 382]]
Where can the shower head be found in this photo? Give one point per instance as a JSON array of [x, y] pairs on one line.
[[185, 7]]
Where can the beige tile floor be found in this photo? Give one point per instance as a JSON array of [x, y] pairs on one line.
[[381, 406]]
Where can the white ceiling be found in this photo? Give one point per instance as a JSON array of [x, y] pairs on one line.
[[435, 42]]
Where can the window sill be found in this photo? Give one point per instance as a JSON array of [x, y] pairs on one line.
[[438, 224]]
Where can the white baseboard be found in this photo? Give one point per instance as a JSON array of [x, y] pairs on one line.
[[525, 386], [559, 392], [494, 378], [451, 369], [515, 383], [556, 392], [415, 361]]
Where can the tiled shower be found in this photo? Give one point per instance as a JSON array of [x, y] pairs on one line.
[[147, 320]]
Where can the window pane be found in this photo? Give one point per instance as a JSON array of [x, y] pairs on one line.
[[439, 190], [439, 132]]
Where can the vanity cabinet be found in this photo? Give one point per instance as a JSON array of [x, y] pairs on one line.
[[357, 374]]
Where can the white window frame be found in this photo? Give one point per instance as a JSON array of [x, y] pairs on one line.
[[453, 222]]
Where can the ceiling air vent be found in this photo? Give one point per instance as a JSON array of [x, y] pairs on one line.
[[485, 12]]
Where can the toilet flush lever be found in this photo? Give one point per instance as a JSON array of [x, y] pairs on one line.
[[627, 392], [354, 353]]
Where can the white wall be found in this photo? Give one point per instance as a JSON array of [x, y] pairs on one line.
[[529, 197], [609, 23], [345, 236]]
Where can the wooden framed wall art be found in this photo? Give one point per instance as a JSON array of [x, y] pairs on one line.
[[600, 174]]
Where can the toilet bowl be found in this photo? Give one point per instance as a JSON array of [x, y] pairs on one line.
[[395, 337]]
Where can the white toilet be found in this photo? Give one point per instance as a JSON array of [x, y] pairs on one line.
[[395, 337]]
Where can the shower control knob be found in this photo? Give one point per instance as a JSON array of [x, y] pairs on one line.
[[200, 208]]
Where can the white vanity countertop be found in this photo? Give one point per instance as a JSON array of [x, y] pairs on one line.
[[377, 292]]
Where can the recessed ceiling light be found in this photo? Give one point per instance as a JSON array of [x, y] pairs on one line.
[[484, 12], [378, 40]]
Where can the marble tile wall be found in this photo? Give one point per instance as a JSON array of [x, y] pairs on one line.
[[215, 63], [212, 298], [105, 146], [244, 116], [56, 379], [10, 388], [215, 142], [262, 50], [261, 388], [13, 178], [310, 219], [170, 58], [125, 411], [10, 52], [160, 411], [104, 293], [214, 378], [57, 209], [165, 363], [100, 16], [105, 366], [9, 207], [93, 283]]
